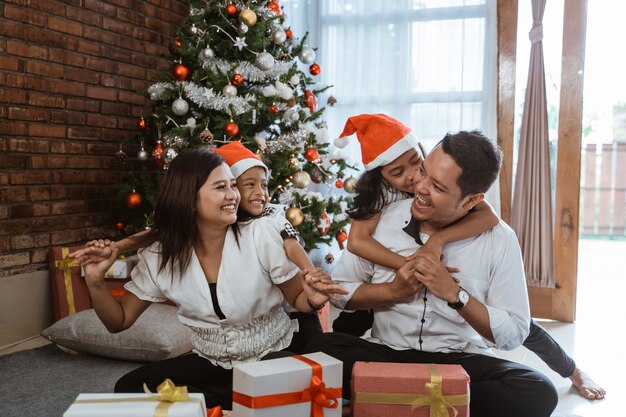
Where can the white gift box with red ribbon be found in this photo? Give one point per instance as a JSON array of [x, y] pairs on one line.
[[296, 386]]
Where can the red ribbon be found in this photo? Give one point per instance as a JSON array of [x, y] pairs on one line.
[[214, 412], [317, 394]]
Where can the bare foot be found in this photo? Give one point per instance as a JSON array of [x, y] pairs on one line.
[[585, 385]]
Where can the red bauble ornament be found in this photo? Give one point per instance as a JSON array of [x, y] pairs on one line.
[[157, 154], [315, 69], [231, 129], [341, 237], [289, 33], [274, 108], [339, 184], [323, 224], [133, 200], [291, 102], [141, 124], [273, 6], [231, 10], [120, 225], [236, 79], [310, 100], [311, 154], [176, 43], [180, 72], [316, 175]]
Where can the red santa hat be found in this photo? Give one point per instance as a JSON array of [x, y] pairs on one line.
[[239, 158], [382, 138]]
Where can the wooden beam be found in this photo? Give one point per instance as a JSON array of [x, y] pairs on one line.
[[568, 160], [507, 45]]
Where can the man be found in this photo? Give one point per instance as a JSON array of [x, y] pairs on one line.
[[424, 315]]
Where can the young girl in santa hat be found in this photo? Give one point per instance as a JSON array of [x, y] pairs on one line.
[[390, 156], [252, 182]]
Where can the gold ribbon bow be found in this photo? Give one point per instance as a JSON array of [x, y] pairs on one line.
[[66, 265], [167, 394], [434, 397]]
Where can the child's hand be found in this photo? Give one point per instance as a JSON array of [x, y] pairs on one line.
[[94, 251], [96, 265], [319, 287]]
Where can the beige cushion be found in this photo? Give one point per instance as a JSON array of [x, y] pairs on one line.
[[156, 335]]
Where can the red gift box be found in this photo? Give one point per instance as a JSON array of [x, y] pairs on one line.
[[69, 290], [382, 389]]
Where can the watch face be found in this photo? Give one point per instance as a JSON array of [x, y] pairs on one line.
[[463, 296]]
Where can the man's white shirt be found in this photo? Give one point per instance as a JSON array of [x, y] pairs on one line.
[[491, 270]]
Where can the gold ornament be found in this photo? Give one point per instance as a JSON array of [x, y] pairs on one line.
[[248, 17], [331, 101], [301, 179], [293, 162], [295, 216], [350, 185], [206, 136]]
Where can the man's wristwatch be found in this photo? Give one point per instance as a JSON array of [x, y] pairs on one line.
[[462, 298]]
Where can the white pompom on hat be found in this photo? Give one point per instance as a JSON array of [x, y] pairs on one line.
[[382, 138], [239, 158]]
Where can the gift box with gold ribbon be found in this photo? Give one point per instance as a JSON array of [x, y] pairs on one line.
[[169, 401], [297, 386], [381, 389], [69, 291]]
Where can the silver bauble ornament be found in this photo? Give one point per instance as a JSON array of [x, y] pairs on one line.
[[143, 155], [301, 179], [207, 53], [180, 107], [350, 185], [194, 29], [279, 36], [169, 155], [264, 61], [243, 28], [306, 55], [229, 90]]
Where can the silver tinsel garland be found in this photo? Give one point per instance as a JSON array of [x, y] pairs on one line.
[[204, 97], [249, 71], [289, 140]]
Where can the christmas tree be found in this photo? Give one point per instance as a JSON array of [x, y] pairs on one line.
[[239, 73]]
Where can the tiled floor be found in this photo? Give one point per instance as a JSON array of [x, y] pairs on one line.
[[592, 340]]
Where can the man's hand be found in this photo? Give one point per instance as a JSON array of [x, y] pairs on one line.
[[319, 287], [405, 284], [429, 270]]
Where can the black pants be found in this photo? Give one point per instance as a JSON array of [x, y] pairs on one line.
[[538, 341], [498, 387], [193, 371], [308, 327]]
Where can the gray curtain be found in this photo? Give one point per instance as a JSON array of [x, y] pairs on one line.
[[531, 212]]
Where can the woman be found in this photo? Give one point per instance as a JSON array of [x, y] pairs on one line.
[[228, 281]]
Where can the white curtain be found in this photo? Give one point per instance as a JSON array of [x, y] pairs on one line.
[[429, 63]]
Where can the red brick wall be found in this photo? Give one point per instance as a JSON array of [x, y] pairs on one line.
[[69, 72]]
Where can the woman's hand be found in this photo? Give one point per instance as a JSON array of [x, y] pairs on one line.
[[94, 251], [319, 287], [95, 263]]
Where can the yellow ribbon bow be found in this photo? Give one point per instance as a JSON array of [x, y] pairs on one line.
[[167, 394], [66, 264]]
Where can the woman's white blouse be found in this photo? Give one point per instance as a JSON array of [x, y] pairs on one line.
[[247, 294]]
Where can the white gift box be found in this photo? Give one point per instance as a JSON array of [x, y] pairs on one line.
[[291, 382], [133, 405], [121, 268]]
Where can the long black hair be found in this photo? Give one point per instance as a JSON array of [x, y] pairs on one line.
[[174, 214], [371, 195]]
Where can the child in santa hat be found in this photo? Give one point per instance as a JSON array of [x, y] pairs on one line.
[[390, 156], [252, 182]]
